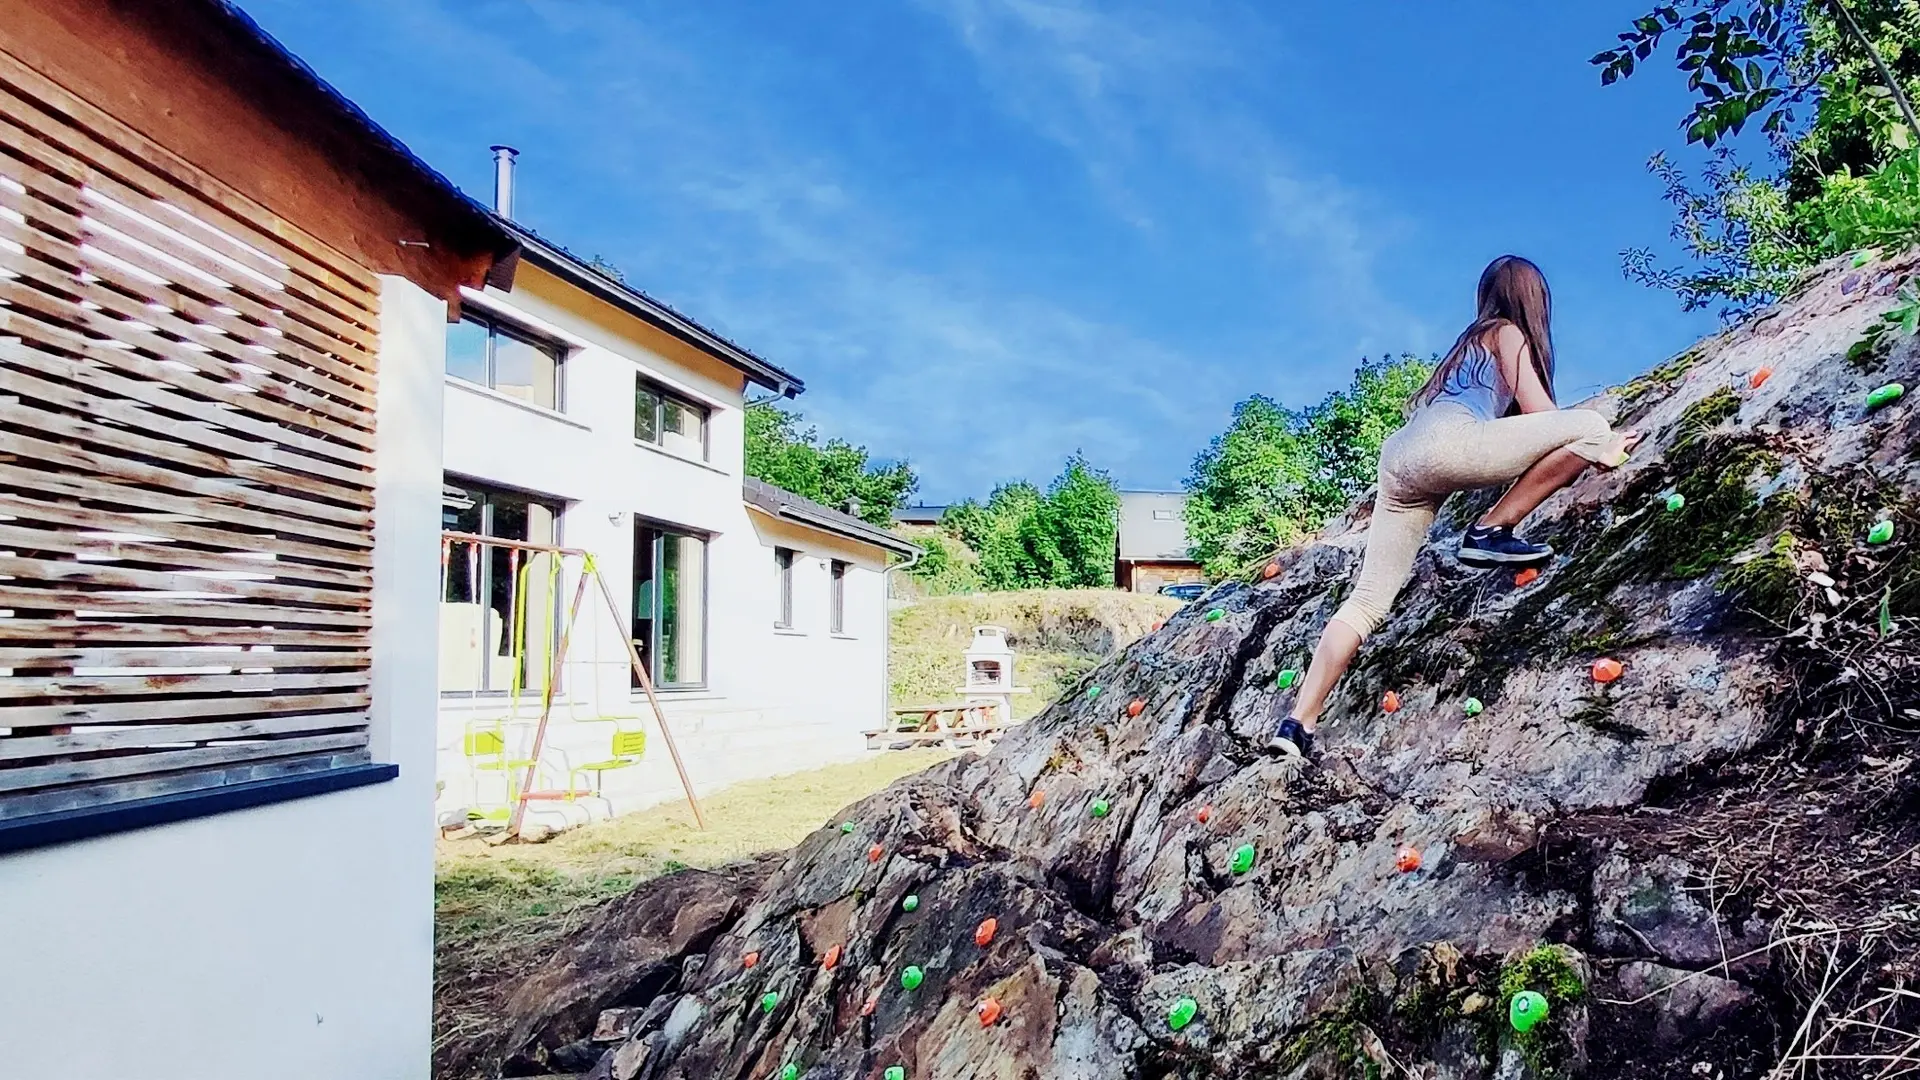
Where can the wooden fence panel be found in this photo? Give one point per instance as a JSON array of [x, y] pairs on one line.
[[186, 438]]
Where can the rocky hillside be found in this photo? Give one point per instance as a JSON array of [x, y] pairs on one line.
[[1708, 867]]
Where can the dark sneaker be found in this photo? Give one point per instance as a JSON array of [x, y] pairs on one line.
[[1497, 546], [1292, 739]]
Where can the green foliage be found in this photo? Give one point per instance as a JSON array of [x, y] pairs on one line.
[[1741, 58], [1276, 475], [1062, 538], [945, 568], [781, 452]]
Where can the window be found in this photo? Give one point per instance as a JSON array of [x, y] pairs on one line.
[[514, 362], [1163, 515], [837, 588], [783, 566], [670, 605], [498, 613], [669, 421]]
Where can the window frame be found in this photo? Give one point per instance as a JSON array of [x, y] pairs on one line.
[[783, 560], [837, 595], [560, 351], [662, 396], [488, 492], [650, 654]]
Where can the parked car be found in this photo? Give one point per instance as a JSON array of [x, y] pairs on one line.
[[1185, 591]]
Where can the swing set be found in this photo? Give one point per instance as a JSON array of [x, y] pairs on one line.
[[522, 559]]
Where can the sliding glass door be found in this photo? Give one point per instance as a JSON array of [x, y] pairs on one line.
[[670, 605], [497, 616]]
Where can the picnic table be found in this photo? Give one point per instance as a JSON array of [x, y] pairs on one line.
[[953, 723]]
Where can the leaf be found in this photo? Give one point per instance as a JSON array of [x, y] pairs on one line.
[[1899, 137], [1886, 612], [1754, 78]]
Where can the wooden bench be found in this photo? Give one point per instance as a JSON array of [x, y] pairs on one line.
[[952, 722]]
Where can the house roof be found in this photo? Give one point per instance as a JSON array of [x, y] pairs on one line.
[[781, 503], [558, 260], [1153, 527]]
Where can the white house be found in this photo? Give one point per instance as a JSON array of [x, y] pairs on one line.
[[583, 413]]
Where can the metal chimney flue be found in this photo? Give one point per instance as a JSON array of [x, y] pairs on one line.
[[503, 159]]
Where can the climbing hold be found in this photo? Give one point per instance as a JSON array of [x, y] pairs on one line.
[[1093, 692], [873, 1002], [791, 1072], [832, 959], [894, 1072], [1526, 577], [874, 853], [1216, 615], [1407, 859], [1155, 628], [911, 978], [769, 1001], [1390, 701], [1272, 570], [846, 826], [1135, 706], [1606, 669], [983, 934], [1885, 394], [1527, 1009], [1034, 800], [1182, 1013], [910, 904], [1760, 375], [988, 1011], [749, 960], [1100, 808], [1473, 706], [1243, 858], [1675, 501], [1286, 678], [1204, 815], [1881, 532]]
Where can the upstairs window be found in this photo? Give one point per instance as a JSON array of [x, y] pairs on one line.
[[669, 421], [516, 363]]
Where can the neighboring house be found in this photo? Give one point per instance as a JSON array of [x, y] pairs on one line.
[[919, 515], [584, 413], [1152, 542], [226, 297]]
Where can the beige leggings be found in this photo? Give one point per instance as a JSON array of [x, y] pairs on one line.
[[1445, 449]]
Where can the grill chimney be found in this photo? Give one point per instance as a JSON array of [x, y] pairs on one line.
[[503, 158]]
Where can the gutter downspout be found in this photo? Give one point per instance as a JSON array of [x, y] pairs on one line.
[[886, 631]]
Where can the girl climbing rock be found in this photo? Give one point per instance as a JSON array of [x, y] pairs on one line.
[[1487, 416]]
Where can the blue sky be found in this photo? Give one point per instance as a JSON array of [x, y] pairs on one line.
[[990, 232]]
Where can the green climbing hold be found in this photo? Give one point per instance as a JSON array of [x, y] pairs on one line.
[[1216, 615], [895, 1072], [1527, 1009], [911, 903], [1182, 1013], [911, 978], [1473, 706], [1862, 258], [1243, 858], [1883, 395], [1100, 808], [1675, 501], [791, 1072], [1288, 677], [769, 1001], [1092, 692], [1881, 532], [846, 826]]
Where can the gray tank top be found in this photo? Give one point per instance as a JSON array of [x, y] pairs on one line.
[[1478, 386]]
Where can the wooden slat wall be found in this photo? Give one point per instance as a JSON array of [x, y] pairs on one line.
[[186, 438]]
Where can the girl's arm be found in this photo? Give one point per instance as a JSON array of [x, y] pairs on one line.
[[1516, 366]]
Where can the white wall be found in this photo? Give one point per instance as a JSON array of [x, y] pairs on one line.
[[294, 940], [771, 704]]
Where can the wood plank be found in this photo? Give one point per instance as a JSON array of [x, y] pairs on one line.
[[24, 778], [30, 314], [124, 521], [174, 608], [127, 634], [270, 461], [108, 793], [164, 657], [73, 486], [18, 687], [130, 441], [93, 740], [176, 709], [13, 537], [65, 572]]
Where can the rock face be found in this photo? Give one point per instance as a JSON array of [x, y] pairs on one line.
[[1628, 849]]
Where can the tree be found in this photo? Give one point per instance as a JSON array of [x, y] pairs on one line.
[[780, 452], [1026, 538]]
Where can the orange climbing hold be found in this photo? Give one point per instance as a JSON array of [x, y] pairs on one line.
[[989, 1012], [1606, 669], [1760, 375], [1526, 577], [1205, 814], [1034, 800], [983, 934], [1156, 626], [1135, 706], [1390, 702], [832, 959], [1407, 859], [874, 853], [872, 1004], [750, 959], [1272, 570]]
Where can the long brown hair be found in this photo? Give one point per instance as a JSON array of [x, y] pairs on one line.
[[1512, 290]]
